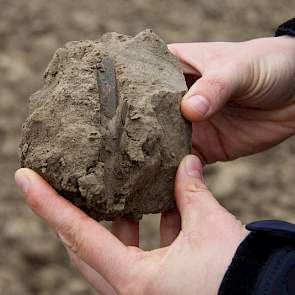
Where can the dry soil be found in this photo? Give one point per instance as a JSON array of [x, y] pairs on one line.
[[32, 259]]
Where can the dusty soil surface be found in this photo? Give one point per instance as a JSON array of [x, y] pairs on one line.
[[32, 259]]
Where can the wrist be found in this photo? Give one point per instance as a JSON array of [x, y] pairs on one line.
[[263, 261], [227, 255]]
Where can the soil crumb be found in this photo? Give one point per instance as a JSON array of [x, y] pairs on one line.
[[106, 129]]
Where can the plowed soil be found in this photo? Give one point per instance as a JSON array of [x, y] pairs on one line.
[[32, 259]]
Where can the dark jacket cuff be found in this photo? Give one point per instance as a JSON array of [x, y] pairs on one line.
[[264, 262], [287, 28]]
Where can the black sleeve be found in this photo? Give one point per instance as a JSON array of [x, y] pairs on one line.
[[287, 28], [264, 263]]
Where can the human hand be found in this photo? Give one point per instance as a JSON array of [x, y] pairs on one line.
[[244, 99], [197, 246]]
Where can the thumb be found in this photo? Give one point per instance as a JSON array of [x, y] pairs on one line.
[[209, 94], [209, 230], [199, 210]]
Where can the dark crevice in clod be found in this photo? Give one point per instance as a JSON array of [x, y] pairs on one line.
[[107, 86]]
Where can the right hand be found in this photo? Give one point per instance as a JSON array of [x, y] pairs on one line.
[[243, 98], [197, 244]]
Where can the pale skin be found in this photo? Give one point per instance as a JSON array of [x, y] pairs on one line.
[[114, 264], [248, 91], [250, 94]]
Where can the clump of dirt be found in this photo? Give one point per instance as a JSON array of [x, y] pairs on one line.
[[106, 129]]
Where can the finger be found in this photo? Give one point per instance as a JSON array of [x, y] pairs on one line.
[[195, 203], [209, 94], [190, 57], [94, 278], [84, 236], [127, 231], [204, 221], [169, 227], [217, 84]]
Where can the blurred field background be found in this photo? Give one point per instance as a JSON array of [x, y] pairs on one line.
[[32, 260]]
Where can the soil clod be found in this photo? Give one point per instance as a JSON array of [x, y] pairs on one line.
[[106, 129]]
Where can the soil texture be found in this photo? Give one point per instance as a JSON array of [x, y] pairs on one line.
[[106, 129]]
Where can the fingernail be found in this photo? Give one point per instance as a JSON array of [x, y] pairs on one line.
[[199, 103], [193, 166], [22, 182]]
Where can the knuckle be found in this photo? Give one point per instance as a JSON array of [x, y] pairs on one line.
[[193, 194], [71, 236], [195, 188], [218, 84]]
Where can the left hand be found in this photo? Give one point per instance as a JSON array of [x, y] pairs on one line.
[[243, 99], [197, 244]]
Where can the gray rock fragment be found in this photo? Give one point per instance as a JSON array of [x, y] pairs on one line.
[[106, 130]]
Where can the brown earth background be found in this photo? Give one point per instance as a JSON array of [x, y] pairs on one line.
[[32, 260]]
